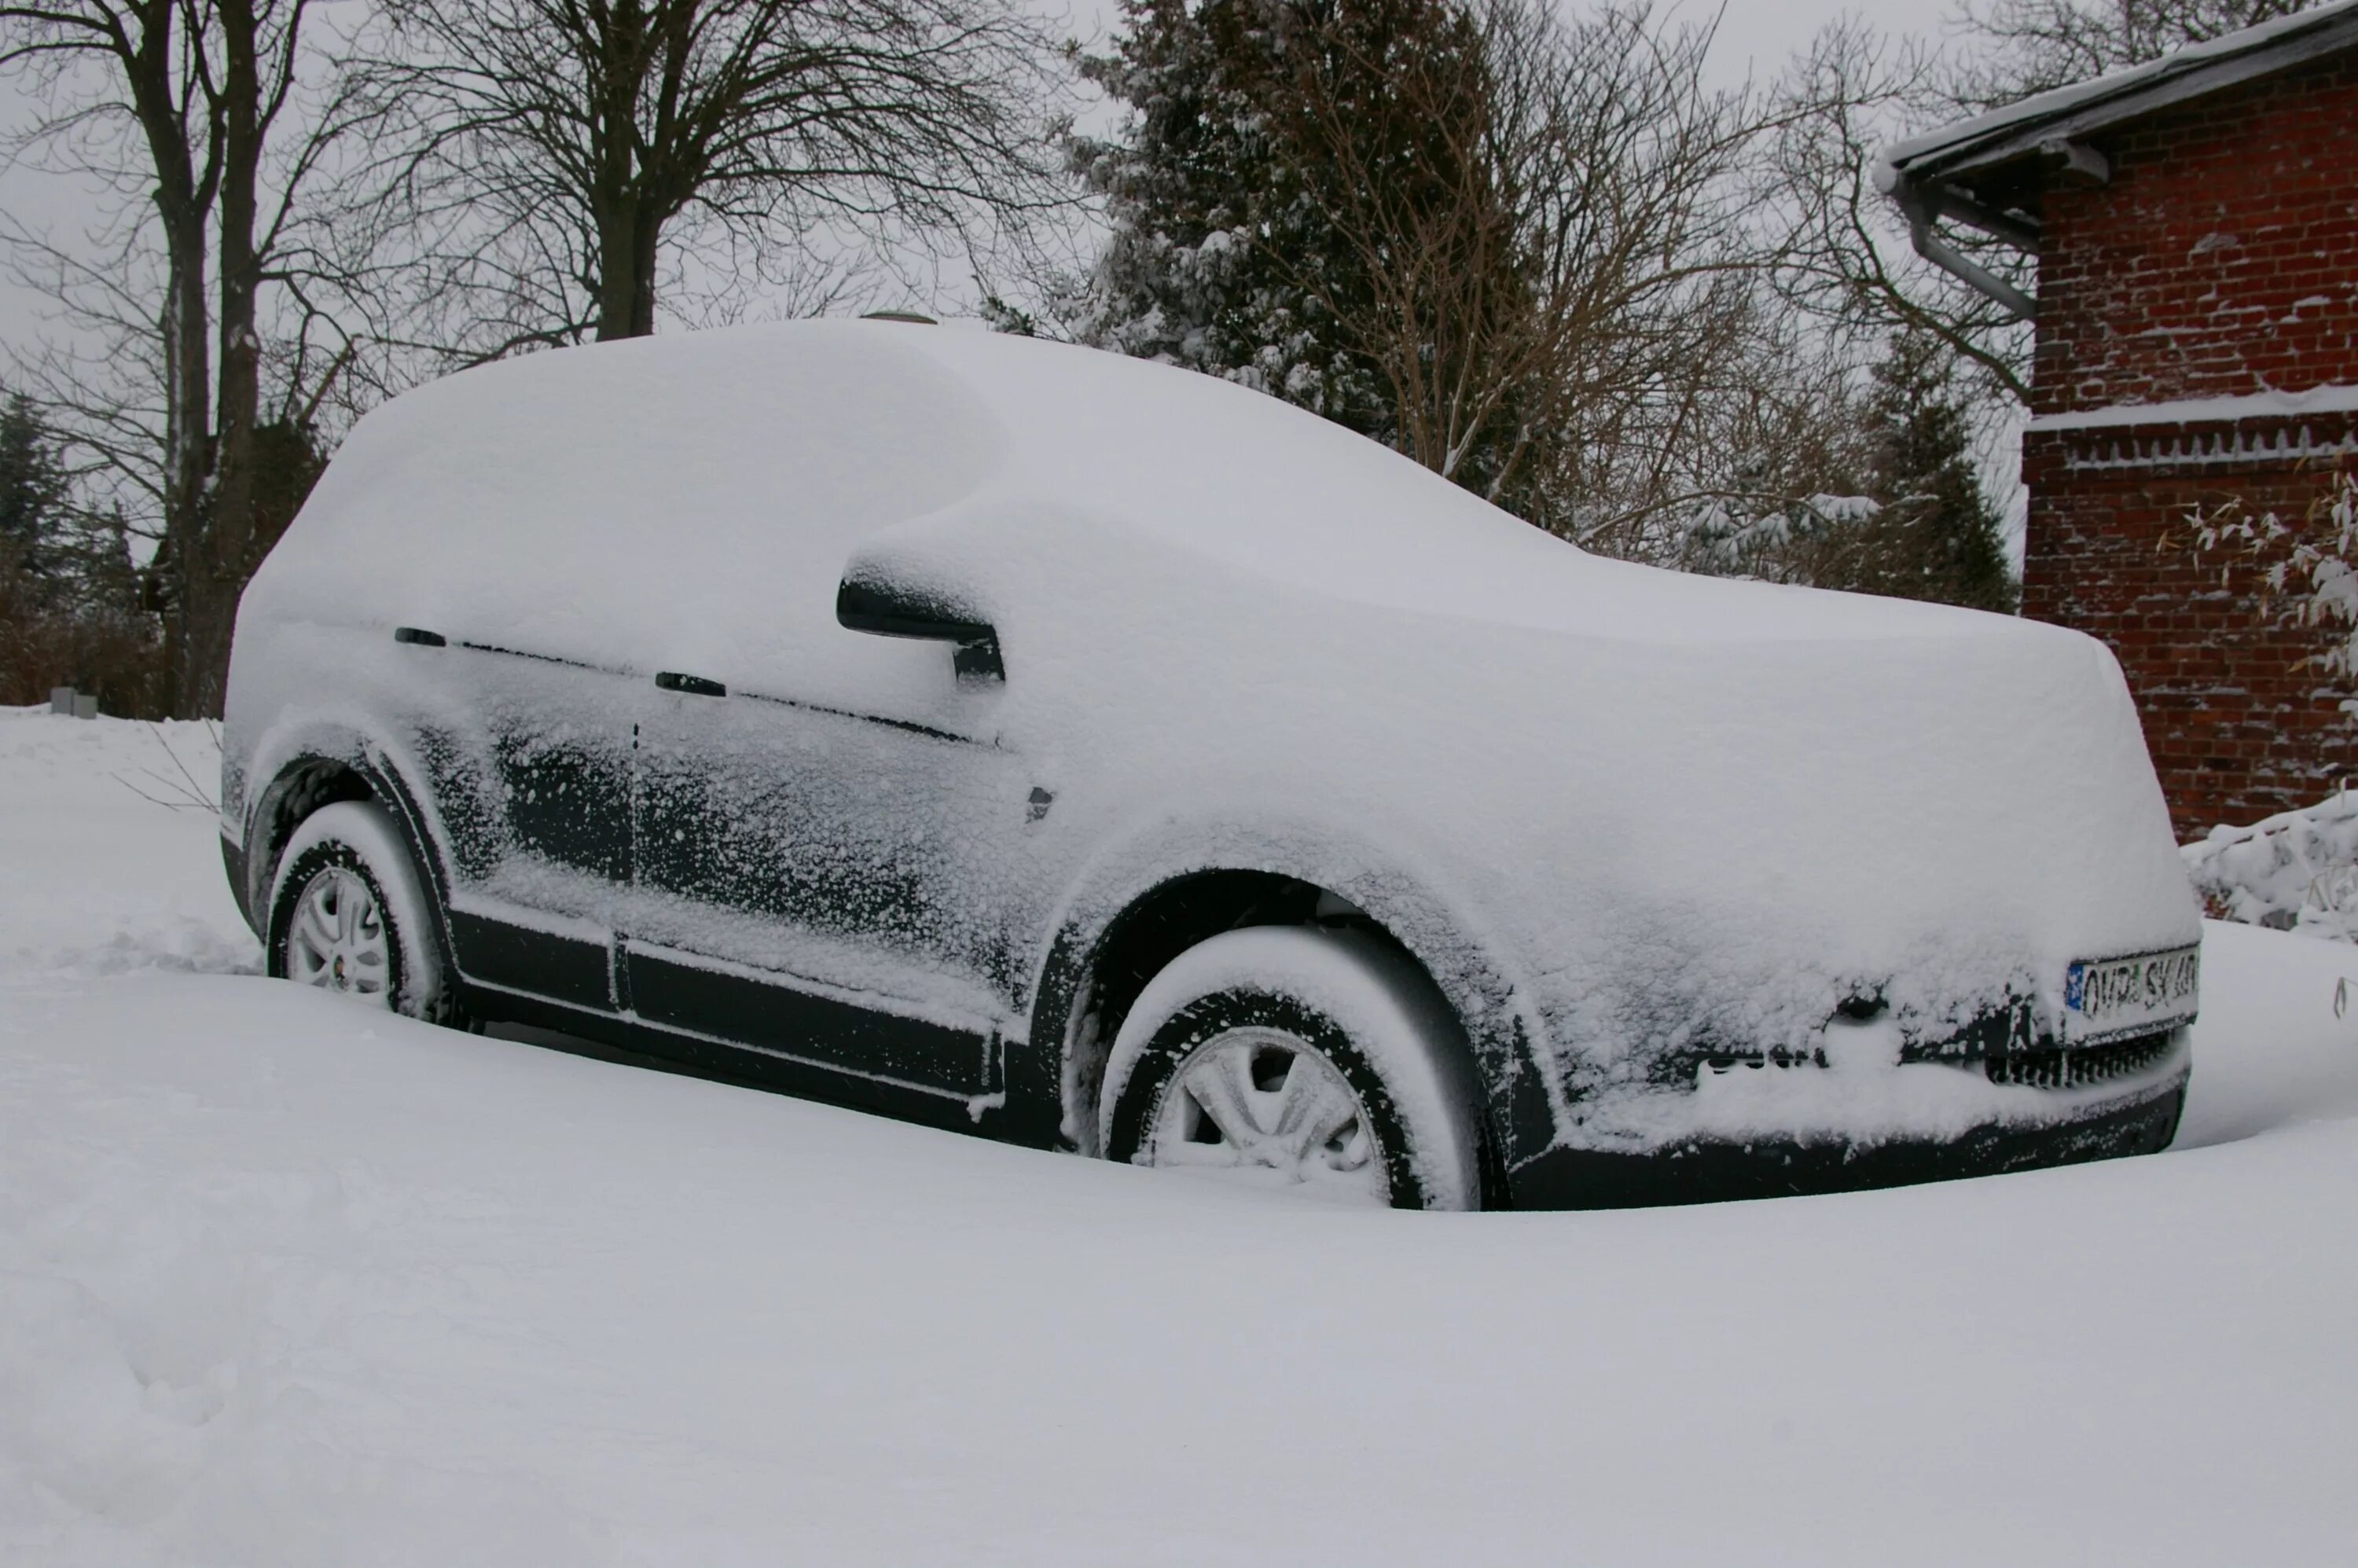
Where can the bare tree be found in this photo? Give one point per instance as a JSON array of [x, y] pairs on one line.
[[192, 115], [554, 158], [1845, 256], [1547, 223], [1624, 170]]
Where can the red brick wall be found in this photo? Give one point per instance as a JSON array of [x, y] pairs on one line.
[[2241, 720], [2222, 260]]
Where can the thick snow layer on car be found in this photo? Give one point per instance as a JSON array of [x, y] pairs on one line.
[[1670, 813], [285, 1281]]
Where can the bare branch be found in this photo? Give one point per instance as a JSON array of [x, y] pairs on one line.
[[555, 163]]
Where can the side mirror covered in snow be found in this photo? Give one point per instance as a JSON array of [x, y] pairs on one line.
[[869, 601]]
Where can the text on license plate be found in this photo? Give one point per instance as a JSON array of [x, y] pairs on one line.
[[2130, 991]]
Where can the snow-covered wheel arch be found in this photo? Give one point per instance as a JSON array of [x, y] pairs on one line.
[[1123, 927]]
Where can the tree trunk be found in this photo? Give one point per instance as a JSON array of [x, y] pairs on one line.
[[185, 189], [647, 229], [614, 184], [628, 233], [629, 222], [615, 283], [225, 561], [188, 425]]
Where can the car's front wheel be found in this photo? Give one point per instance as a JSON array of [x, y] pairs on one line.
[[1322, 1060], [349, 913]]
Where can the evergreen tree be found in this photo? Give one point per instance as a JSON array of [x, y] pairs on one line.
[[287, 462], [1504, 242], [1226, 255], [32, 492], [61, 558], [1939, 533], [68, 593], [1874, 490]]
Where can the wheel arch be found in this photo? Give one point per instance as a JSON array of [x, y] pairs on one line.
[[313, 768], [1125, 923]]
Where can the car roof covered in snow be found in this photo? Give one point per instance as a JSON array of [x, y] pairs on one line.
[[786, 444]]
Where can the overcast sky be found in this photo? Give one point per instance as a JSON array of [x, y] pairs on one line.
[[1760, 34], [1755, 38]]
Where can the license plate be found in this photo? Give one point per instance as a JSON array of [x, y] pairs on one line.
[[2111, 996]]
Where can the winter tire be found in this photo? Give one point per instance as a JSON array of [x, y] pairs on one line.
[[1299, 1056], [349, 913]]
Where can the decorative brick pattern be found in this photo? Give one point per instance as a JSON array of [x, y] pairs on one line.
[[2220, 261]]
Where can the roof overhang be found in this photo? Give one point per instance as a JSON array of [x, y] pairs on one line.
[[1991, 172]]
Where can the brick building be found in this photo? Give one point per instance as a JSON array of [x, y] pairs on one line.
[[2196, 226]]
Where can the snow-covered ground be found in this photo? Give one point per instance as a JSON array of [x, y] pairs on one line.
[[284, 1282]]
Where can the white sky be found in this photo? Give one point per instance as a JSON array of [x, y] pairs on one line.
[[1760, 34]]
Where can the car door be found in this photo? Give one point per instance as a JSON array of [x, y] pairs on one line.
[[827, 884], [530, 762]]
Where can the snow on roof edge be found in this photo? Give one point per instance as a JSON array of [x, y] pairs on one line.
[[2119, 83]]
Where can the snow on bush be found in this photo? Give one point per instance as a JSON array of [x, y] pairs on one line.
[[1727, 537], [2294, 871], [2309, 567]]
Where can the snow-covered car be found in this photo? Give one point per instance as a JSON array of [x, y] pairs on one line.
[[1104, 757]]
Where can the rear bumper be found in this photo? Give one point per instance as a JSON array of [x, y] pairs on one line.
[[1713, 1170]]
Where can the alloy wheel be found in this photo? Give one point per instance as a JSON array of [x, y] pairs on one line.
[[339, 941], [1255, 1101]]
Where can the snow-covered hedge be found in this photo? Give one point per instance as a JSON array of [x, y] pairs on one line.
[[2294, 871]]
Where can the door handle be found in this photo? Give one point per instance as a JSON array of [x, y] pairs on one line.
[[694, 686]]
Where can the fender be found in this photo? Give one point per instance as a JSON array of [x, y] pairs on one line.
[[277, 759], [1051, 1101], [287, 753]]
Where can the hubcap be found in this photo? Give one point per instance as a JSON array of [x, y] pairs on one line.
[[1262, 1103], [337, 941]]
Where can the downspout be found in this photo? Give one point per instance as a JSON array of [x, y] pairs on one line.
[[1941, 253]]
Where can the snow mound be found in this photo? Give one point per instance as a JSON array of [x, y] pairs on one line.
[[109, 832]]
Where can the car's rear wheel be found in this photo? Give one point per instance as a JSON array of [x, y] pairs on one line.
[[350, 913], [1320, 1060]]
